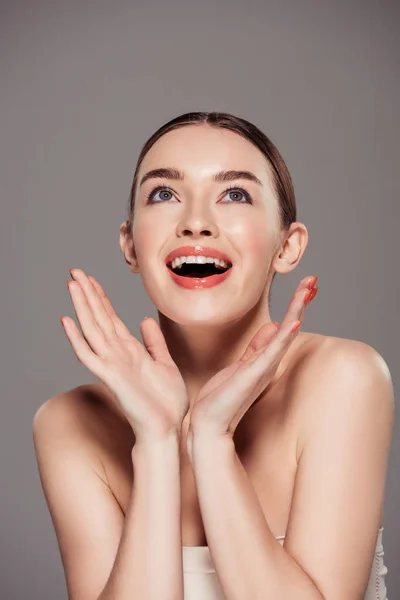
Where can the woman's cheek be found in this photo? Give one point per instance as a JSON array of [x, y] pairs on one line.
[[149, 237], [252, 240]]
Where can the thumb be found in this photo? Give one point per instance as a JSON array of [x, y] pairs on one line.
[[154, 340]]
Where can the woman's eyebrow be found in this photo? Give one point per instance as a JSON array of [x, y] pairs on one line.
[[219, 177]]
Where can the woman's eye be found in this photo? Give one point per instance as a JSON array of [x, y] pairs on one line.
[[156, 191], [239, 195]]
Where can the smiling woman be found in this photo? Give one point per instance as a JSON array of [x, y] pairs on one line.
[[228, 456]]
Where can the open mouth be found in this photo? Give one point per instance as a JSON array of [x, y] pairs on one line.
[[199, 270]]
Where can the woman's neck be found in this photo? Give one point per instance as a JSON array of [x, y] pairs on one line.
[[202, 350]]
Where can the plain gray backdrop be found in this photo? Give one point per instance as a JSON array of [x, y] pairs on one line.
[[83, 85]]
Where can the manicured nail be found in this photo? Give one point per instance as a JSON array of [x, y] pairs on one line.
[[295, 327], [313, 294], [307, 296], [276, 323], [312, 282]]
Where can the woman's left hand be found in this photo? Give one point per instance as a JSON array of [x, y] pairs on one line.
[[228, 395]]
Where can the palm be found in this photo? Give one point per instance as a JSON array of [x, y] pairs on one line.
[[167, 383]]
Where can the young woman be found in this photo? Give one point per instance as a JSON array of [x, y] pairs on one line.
[[228, 456]]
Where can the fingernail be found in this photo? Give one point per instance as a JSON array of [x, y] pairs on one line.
[[312, 282], [308, 295], [276, 323], [295, 327], [313, 294]]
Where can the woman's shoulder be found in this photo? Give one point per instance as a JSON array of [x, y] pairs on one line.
[[87, 413], [326, 368], [320, 348], [325, 358]]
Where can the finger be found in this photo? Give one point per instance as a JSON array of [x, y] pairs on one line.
[[297, 304], [81, 347], [120, 327], [313, 289], [260, 339], [314, 292], [154, 340], [309, 281], [266, 333], [90, 328], [94, 301], [265, 361]]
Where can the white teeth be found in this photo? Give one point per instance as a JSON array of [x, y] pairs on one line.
[[178, 262]]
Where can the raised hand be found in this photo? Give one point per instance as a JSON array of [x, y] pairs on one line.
[[228, 395], [145, 380]]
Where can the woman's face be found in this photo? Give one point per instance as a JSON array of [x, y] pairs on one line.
[[199, 211]]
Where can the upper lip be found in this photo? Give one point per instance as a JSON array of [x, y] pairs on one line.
[[197, 251]]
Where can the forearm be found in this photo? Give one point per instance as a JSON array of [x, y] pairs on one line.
[[148, 564], [250, 562]]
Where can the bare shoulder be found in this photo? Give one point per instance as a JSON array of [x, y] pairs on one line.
[[339, 372], [318, 346], [69, 419], [88, 416], [326, 354]]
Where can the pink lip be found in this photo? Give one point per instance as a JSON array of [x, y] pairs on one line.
[[196, 251], [198, 282], [192, 283]]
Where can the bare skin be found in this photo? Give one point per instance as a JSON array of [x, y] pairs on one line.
[[267, 441]]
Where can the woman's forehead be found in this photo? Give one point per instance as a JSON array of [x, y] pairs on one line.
[[200, 150]]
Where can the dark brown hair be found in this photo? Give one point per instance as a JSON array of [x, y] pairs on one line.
[[281, 177]]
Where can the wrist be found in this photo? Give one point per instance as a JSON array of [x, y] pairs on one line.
[[206, 429], [156, 446], [204, 439]]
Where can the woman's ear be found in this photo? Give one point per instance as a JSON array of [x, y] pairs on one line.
[[292, 249], [128, 248]]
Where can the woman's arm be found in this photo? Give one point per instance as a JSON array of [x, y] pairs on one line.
[[149, 558], [338, 497], [105, 555], [250, 562]]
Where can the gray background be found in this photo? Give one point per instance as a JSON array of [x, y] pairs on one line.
[[83, 85]]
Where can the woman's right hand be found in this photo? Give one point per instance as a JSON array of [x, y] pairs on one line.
[[145, 380]]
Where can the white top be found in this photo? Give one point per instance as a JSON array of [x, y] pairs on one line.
[[201, 582]]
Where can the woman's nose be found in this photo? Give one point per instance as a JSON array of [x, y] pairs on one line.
[[196, 225]]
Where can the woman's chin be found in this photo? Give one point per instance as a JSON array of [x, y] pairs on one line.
[[202, 320]]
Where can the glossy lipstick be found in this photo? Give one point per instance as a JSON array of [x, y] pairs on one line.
[[198, 282]]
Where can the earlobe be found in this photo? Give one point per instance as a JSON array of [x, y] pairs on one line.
[[134, 265], [283, 265]]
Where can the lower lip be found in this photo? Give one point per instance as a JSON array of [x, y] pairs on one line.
[[199, 283]]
